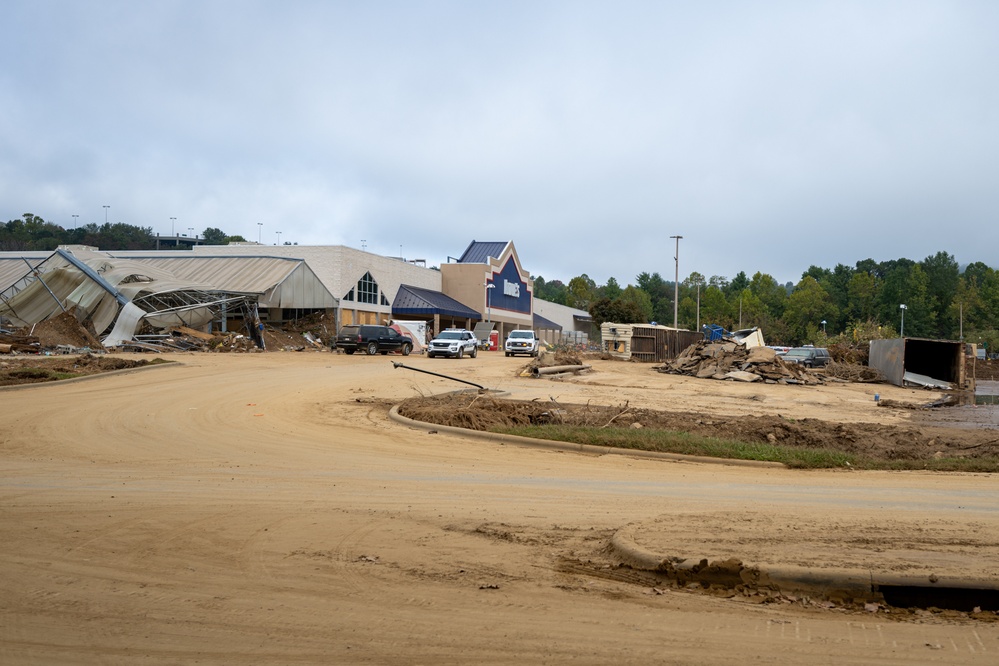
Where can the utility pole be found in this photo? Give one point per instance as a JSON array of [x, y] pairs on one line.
[[676, 282]]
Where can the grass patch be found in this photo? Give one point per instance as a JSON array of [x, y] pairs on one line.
[[714, 447]]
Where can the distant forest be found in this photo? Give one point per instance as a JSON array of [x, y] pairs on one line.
[[842, 303]]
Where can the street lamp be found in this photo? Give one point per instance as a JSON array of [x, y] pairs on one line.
[[75, 220], [676, 281], [823, 327], [260, 228], [173, 221], [106, 214], [488, 286], [901, 332], [279, 237]]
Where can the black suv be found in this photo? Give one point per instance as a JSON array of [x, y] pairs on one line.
[[372, 339], [810, 357]]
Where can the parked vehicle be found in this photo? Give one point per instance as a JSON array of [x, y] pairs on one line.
[[810, 357], [372, 339], [453, 342], [521, 342]]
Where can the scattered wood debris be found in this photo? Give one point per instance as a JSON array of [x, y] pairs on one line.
[[722, 359]]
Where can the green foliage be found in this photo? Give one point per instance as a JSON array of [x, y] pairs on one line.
[[32, 233], [214, 236]]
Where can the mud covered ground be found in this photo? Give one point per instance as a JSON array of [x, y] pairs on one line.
[[34, 369], [262, 508], [875, 441]]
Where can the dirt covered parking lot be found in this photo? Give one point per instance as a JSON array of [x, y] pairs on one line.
[[263, 508]]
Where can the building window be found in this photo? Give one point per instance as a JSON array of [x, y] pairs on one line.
[[349, 296], [367, 290], [385, 300]]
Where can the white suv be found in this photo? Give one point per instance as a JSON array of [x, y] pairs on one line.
[[454, 342], [521, 342]]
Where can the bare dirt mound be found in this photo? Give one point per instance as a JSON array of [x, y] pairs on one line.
[[65, 330], [871, 440]]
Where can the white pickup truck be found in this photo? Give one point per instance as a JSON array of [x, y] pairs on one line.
[[521, 342]]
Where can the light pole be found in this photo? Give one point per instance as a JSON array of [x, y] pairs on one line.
[[260, 229], [488, 314], [75, 220], [173, 221], [191, 230], [823, 327], [676, 281], [364, 245], [279, 237], [106, 214], [901, 332]]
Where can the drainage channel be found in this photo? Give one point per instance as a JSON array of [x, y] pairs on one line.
[[967, 599]]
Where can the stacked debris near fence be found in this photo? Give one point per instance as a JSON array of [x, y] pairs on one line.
[[722, 359]]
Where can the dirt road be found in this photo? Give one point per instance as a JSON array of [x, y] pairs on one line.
[[263, 509]]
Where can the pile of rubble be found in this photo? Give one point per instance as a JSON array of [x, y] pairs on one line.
[[65, 335], [722, 359]]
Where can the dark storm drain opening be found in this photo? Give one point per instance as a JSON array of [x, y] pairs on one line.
[[948, 598]]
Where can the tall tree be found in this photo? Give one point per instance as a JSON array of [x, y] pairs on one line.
[[806, 308], [581, 292], [942, 276], [660, 294]]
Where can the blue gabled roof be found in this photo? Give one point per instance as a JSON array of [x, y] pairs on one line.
[[543, 324], [478, 252], [412, 300]]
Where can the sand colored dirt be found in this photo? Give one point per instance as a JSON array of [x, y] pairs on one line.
[[262, 508]]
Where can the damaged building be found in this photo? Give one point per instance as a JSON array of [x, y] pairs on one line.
[[120, 297]]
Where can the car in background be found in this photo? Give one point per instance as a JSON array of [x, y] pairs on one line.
[[521, 342], [810, 357], [780, 349], [453, 343], [372, 339]]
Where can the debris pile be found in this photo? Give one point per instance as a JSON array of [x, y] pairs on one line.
[[554, 365], [722, 359]]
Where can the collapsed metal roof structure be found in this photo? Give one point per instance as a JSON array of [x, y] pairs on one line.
[[105, 291]]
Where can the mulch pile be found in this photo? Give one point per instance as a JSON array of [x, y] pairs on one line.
[[721, 359]]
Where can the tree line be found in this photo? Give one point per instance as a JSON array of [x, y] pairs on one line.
[[842, 303], [32, 233]]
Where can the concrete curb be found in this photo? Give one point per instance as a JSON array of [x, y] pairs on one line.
[[588, 449], [847, 585]]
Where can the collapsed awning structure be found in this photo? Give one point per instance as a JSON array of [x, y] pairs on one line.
[[115, 295]]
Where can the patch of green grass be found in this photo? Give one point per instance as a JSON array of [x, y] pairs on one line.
[[38, 375], [714, 447]]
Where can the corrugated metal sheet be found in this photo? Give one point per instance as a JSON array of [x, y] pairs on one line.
[[655, 344], [281, 282], [649, 344], [941, 360], [13, 269]]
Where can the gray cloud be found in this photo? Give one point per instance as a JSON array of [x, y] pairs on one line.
[[771, 137]]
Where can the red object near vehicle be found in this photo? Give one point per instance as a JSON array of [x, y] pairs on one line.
[[493, 340]]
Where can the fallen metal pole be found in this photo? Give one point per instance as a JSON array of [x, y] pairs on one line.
[[409, 367], [558, 369]]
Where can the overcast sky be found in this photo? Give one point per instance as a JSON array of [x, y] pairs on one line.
[[770, 135]]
